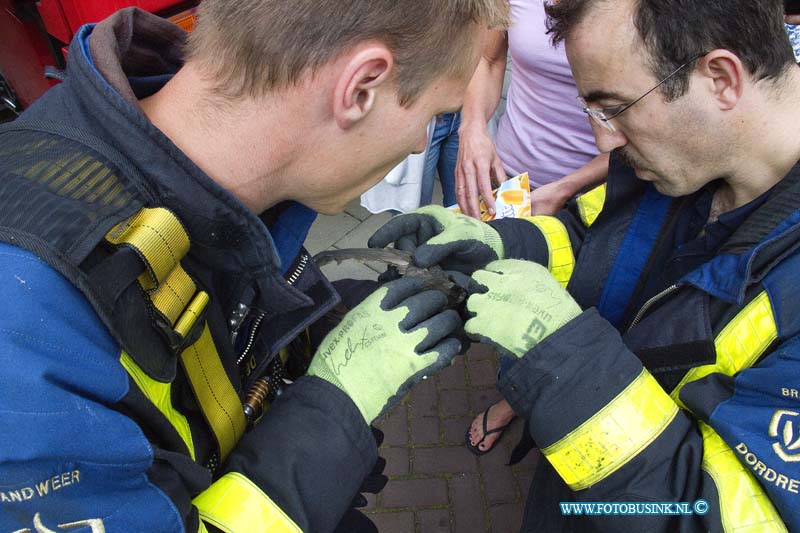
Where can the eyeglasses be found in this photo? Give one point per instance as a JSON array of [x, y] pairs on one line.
[[602, 117]]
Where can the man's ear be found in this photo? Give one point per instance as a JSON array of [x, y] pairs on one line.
[[368, 67], [725, 75]]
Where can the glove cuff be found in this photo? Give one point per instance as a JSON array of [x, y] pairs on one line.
[[493, 239], [323, 372]]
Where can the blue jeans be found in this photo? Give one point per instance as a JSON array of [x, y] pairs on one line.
[[442, 156]]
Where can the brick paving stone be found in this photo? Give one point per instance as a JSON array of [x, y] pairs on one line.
[[482, 373], [394, 426], [396, 461], [424, 430], [467, 503], [453, 377], [424, 399], [481, 351], [402, 522], [453, 402], [429, 492], [524, 480], [506, 518], [482, 399], [326, 230], [455, 429], [436, 521], [451, 459], [498, 479]]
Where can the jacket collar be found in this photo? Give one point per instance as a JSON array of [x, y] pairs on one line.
[[768, 235]]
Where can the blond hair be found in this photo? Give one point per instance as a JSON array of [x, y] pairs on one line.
[[253, 46]]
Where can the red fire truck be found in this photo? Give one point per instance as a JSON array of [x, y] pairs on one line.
[[34, 36]]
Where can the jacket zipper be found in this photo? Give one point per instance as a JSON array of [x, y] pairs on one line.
[[649, 303], [291, 280]]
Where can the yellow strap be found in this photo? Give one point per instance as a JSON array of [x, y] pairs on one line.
[[614, 435], [590, 204], [235, 504], [161, 241], [561, 260], [739, 344], [744, 505], [159, 238], [174, 294], [160, 394], [218, 399]]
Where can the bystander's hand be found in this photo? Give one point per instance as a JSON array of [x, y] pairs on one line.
[[549, 199], [477, 165], [398, 336]]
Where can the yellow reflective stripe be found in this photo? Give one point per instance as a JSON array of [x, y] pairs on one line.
[[160, 394], [739, 345], [159, 238], [590, 204], [235, 504], [614, 435], [201, 527], [561, 261], [744, 506], [174, 294], [212, 387]]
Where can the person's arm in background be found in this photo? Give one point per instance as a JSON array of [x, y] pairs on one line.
[[551, 198], [477, 157]]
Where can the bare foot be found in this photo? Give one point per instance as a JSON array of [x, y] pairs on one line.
[[500, 414]]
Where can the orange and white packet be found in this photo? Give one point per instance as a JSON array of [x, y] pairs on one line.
[[512, 200]]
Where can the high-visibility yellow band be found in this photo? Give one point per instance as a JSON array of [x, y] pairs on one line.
[[739, 344], [561, 262], [215, 393], [158, 236], [160, 394], [744, 506], [614, 435], [235, 504], [590, 205]]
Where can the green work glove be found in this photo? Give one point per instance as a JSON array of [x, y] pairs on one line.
[[392, 340], [438, 236], [517, 304]]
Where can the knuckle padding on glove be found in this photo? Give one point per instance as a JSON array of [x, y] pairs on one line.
[[421, 307], [406, 243], [405, 226], [399, 290], [439, 327]]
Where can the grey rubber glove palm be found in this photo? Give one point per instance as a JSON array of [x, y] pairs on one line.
[[389, 342], [438, 236], [518, 304]]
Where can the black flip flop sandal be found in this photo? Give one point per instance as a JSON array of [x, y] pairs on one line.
[[486, 432]]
